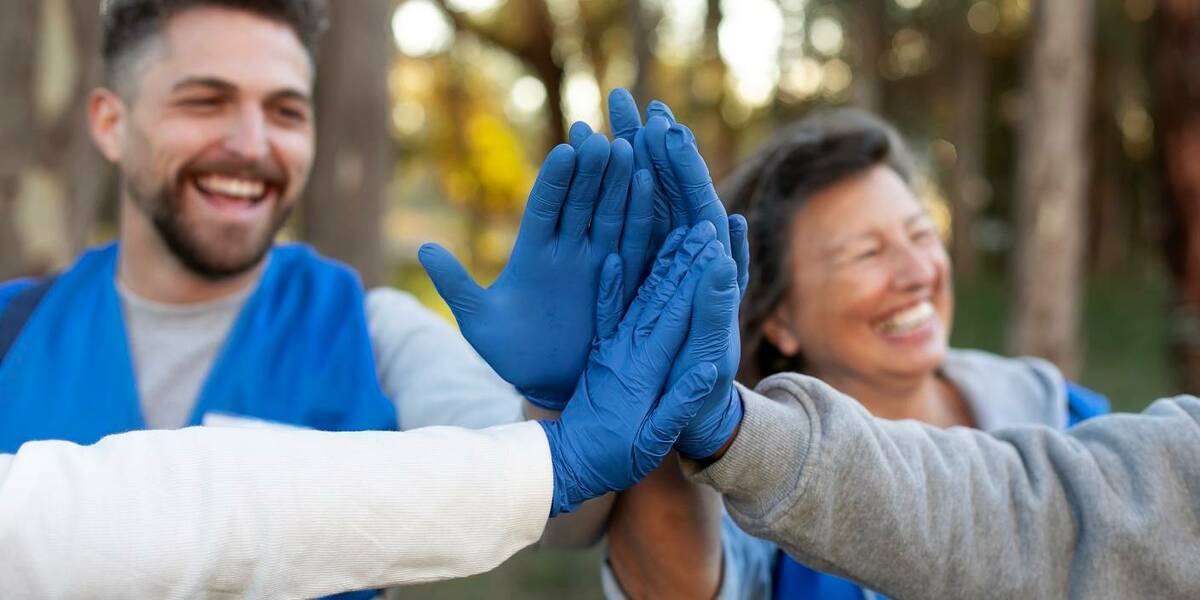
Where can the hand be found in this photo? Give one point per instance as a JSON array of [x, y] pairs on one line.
[[619, 424], [685, 185], [535, 324]]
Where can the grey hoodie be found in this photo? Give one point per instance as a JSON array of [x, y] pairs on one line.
[[1110, 509]]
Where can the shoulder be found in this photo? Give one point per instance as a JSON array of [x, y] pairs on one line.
[[1005, 391], [10, 290], [399, 311]]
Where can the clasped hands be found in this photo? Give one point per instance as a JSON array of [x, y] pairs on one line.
[[618, 305]]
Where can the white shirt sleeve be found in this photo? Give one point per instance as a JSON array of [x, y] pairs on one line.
[[216, 512], [429, 371]]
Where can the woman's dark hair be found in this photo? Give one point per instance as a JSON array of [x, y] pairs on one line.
[[805, 158]]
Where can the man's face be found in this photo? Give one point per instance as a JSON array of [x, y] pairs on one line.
[[218, 136]]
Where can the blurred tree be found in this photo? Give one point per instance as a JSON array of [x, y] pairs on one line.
[[343, 210], [65, 143], [969, 189], [1177, 80], [528, 33], [17, 122], [870, 27], [1052, 175]]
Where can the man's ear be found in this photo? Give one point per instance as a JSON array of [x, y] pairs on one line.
[[777, 331], [106, 120]]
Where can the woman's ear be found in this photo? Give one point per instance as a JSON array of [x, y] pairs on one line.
[[106, 121], [777, 329]]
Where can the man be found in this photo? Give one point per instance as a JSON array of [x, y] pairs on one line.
[[194, 316], [221, 512]]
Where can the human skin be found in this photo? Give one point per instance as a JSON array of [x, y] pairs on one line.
[[218, 92]]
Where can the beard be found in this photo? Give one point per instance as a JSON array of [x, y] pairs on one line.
[[211, 251]]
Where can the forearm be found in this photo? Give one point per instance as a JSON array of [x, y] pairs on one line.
[[582, 528], [911, 510], [664, 539], [212, 512]]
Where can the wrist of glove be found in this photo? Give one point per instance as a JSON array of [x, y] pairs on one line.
[[712, 427]]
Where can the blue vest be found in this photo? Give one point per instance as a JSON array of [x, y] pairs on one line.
[[793, 580], [298, 353]]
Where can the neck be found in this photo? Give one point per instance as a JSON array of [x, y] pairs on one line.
[[148, 268], [926, 398]]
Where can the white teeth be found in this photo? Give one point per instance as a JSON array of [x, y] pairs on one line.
[[909, 319], [232, 186]]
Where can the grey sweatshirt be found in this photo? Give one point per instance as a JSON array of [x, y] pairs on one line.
[[1110, 509]]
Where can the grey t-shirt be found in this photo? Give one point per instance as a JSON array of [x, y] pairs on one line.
[[431, 374]]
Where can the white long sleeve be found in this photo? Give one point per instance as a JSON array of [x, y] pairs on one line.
[[211, 512]]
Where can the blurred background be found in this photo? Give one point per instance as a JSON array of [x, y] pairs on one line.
[[1059, 147]]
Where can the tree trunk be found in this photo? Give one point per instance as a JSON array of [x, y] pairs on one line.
[[869, 23], [641, 26], [1051, 185], [17, 121], [968, 184], [1177, 79], [344, 208]]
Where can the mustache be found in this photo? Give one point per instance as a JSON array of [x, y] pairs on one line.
[[265, 170]]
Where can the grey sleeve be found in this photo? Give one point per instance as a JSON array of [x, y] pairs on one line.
[[430, 372], [1108, 509]]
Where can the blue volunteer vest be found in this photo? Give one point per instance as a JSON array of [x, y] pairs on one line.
[[298, 353], [793, 581]]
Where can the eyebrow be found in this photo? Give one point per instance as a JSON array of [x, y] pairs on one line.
[[221, 85]]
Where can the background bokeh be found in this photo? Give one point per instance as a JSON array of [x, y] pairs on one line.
[[434, 115]]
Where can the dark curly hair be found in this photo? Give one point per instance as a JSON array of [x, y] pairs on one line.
[[803, 159], [127, 24]]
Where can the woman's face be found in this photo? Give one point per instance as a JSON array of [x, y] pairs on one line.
[[870, 298]]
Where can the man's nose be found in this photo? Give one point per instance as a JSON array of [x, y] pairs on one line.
[[247, 136]]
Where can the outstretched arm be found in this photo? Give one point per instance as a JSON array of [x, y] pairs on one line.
[[1107, 509], [267, 513]]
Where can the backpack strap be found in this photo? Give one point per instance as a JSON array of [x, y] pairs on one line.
[[14, 316]]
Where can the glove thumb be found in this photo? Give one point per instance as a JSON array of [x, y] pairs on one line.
[[451, 279]]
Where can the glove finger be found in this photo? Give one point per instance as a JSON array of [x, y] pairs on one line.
[[662, 266], [540, 220], [635, 237], [696, 242], [658, 108], [656, 145], [714, 314], [590, 163], [741, 251], [623, 115], [578, 134], [610, 300], [674, 411], [700, 200], [614, 194], [673, 324], [452, 281]]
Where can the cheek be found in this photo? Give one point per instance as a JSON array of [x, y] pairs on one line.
[[836, 309], [296, 152]]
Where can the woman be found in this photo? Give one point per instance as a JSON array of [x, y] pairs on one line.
[[849, 283]]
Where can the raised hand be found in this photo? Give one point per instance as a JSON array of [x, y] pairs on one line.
[[534, 325], [619, 424]]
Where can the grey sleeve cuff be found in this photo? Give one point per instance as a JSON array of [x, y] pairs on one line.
[[764, 465]]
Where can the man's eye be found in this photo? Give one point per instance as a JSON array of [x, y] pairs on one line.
[[201, 102], [292, 114]]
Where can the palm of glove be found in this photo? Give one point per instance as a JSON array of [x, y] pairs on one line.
[[535, 324], [615, 430]]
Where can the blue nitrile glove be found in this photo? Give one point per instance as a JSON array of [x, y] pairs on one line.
[[620, 424], [683, 180], [626, 123], [535, 324]]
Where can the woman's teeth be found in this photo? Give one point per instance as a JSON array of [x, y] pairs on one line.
[[909, 319], [232, 187]]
